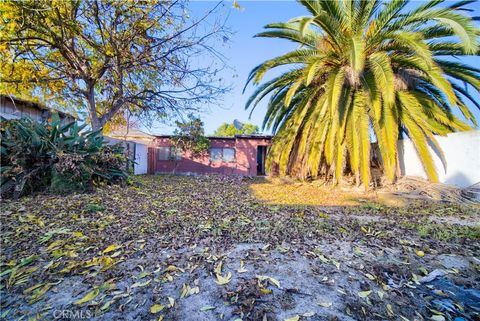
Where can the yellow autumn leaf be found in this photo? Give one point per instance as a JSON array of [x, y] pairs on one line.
[[222, 280], [337, 264], [194, 290], [265, 291], [218, 268], [270, 279], [171, 302], [242, 269], [156, 308], [380, 294], [88, 297], [141, 284], [30, 289], [390, 310], [168, 277], [323, 258], [77, 234], [370, 276], [187, 290], [38, 293], [111, 248], [171, 268], [364, 294], [294, 318], [55, 244]]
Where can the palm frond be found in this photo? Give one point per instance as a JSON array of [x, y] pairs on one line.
[[362, 69]]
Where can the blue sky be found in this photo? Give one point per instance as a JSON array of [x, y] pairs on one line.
[[243, 52]]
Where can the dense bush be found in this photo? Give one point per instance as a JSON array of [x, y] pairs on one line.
[[56, 157]]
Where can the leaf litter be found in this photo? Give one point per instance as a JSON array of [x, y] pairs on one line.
[[205, 248]]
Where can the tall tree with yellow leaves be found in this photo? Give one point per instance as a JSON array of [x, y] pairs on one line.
[[111, 56]]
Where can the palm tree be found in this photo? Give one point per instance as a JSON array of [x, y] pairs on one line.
[[366, 70]]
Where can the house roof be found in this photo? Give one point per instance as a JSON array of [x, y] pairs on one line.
[[253, 136], [226, 137], [37, 105], [131, 133]]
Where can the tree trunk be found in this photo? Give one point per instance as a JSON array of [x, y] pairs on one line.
[[92, 108], [95, 121], [96, 124]]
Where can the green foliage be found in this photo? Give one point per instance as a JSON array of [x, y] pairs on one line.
[[60, 157], [190, 137], [93, 208], [444, 232], [230, 130], [363, 68]]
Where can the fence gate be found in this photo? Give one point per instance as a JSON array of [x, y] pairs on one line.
[[151, 160]]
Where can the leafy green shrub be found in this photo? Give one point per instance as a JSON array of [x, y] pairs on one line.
[[56, 157], [190, 136]]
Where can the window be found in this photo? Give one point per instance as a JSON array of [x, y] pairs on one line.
[[222, 154], [175, 154], [228, 155], [215, 154], [163, 153], [169, 153]]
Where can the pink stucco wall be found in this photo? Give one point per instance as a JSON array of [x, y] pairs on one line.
[[245, 162]]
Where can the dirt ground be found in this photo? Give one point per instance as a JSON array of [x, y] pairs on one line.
[[223, 248]]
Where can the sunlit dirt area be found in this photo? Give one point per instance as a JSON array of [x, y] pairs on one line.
[[226, 248], [293, 192]]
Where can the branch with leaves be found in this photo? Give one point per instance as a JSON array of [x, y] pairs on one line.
[[190, 137]]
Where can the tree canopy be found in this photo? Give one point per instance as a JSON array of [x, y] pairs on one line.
[[362, 69], [230, 130], [111, 57], [189, 136]]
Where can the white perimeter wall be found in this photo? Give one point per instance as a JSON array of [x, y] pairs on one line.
[[462, 155], [141, 159]]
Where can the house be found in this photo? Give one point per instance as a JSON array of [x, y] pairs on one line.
[[132, 134], [15, 108], [239, 155]]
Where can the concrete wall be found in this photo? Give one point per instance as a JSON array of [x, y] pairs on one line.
[[462, 155], [141, 159]]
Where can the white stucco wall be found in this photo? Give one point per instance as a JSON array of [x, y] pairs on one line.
[[141, 159], [462, 155]]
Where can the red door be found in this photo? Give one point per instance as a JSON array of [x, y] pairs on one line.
[[151, 160]]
